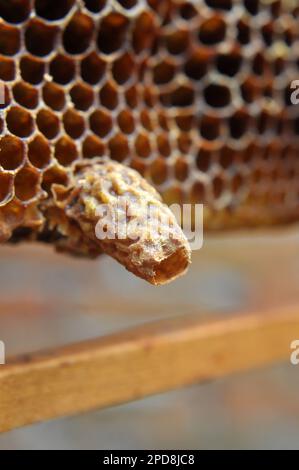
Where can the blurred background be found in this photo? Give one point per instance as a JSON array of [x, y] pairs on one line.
[[48, 300]]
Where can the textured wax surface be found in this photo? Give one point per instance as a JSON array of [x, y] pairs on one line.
[[195, 95], [111, 208]]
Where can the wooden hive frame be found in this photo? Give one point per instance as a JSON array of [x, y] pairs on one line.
[[139, 362]]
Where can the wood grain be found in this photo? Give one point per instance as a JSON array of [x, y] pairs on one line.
[[140, 362]]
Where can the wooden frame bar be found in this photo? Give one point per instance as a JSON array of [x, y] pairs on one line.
[[139, 362]]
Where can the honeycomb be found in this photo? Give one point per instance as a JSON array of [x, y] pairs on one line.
[[194, 95]]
